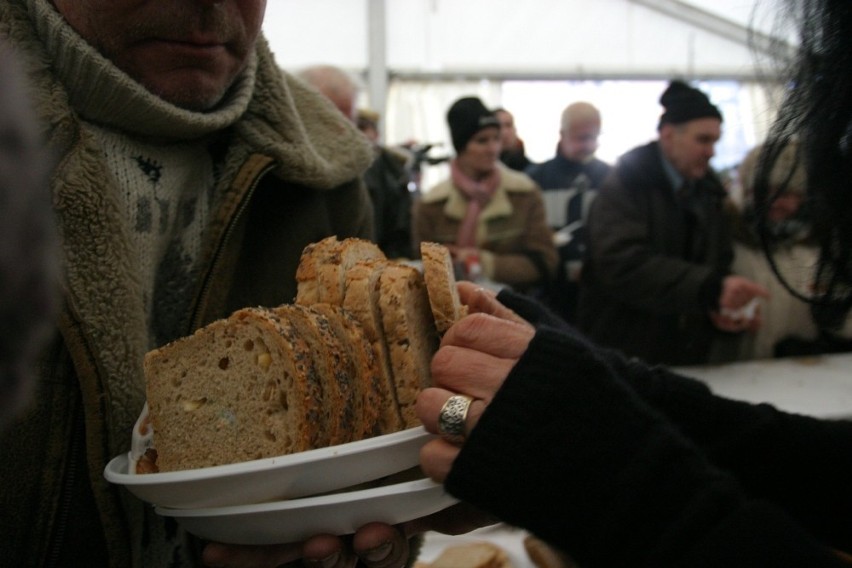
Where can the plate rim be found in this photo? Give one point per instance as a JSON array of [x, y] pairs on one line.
[[256, 466], [339, 498]]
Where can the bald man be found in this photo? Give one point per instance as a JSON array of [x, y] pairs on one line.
[[569, 181]]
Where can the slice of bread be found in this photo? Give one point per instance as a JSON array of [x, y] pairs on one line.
[[363, 368], [410, 333], [239, 389], [543, 555], [337, 415], [307, 283], [267, 382], [441, 285], [361, 299], [332, 267], [472, 555]]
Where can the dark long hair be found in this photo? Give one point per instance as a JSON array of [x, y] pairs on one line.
[[816, 110]]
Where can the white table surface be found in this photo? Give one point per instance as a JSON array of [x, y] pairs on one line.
[[818, 386]]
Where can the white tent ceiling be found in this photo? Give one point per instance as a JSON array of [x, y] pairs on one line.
[[417, 55], [530, 38]]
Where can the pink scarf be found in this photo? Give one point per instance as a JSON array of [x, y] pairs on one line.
[[478, 194]]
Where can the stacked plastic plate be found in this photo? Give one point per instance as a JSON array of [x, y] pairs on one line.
[[331, 490]]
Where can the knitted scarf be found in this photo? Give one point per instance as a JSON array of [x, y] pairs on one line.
[[478, 193]]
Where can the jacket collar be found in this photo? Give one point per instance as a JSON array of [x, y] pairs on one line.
[[499, 206]]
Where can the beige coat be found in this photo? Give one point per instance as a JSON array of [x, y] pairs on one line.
[[515, 242]]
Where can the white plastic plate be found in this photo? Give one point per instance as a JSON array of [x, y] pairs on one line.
[[298, 519], [287, 477]]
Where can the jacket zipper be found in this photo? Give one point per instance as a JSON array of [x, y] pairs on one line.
[[57, 541], [205, 288]]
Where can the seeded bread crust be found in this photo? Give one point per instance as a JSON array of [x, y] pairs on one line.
[[307, 282], [332, 267], [337, 417], [440, 278], [239, 389], [361, 299], [410, 333], [363, 368]]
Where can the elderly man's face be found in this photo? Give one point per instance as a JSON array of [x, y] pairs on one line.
[[580, 141], [188, 52], [690, 146]]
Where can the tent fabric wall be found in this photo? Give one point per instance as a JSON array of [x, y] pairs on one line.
[[576, 38], [535, 57]]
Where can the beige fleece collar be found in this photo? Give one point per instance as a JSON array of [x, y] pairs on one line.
[[103, 94], [499, 206]]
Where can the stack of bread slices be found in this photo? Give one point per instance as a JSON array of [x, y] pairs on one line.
[[343, 363]]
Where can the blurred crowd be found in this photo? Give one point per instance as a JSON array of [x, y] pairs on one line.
[[159, 170], [668, 265]]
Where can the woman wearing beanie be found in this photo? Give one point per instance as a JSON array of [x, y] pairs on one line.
[[490, 217]]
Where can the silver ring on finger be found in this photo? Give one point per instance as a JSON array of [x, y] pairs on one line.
[[451, 419]]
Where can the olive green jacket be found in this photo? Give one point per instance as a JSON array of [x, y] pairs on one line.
[[285, 182]]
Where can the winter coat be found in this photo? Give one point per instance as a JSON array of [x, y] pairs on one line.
[[515, 242], [652, 275], [285, 182]]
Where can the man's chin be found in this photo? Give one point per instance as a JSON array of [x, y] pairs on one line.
[[195, 101], [195, 96], [699, 173]]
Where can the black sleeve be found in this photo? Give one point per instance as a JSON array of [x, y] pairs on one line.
[[574, 453]]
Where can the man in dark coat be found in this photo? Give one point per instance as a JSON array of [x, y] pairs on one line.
[[656, 282], [569, 182]]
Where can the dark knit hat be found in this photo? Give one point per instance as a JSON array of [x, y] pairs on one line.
[[683, 103], [466, 117]]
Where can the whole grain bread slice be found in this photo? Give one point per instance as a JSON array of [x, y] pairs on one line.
[[364, 369], [239, 389], [307, 280], [332, 267], [361, 299], [440, 278], [337, 416], [410, 333]]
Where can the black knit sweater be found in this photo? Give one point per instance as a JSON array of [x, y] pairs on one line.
[[622, 464]]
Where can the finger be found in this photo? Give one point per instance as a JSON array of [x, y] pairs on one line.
[[327, 551], [430, 402], [436, 459], [481, 300], [726, 323], [469, 372], [760, 291], [490, 334], [380, 545], [238, 556], [458, 519]]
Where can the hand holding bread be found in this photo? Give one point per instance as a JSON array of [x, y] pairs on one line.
[[475, 357]]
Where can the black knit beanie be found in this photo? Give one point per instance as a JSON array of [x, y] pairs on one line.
[[683, 103], [466, 117]]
